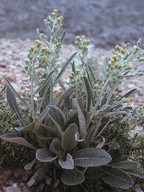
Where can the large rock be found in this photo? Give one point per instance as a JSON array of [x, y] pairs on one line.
[[105, 22]]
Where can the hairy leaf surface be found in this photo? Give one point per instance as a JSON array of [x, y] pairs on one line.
[[68, 139], [55, 146], [68, 163], [15, 93], [72, 177], [44, 155], [118, 178], [28, 166], [91, 157], [136, 172], [125, 165], [82, 122], [11, 99], [18, 140]]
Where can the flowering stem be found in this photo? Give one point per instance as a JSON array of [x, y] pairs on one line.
[[32, 93]]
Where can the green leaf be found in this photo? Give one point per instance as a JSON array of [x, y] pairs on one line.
[[28, 166], [25, 128], [125, 165], [18, 140], [129, 93], [63, 35], [101, 143], [118, 179], [94, 173], [111, 114], [91, 157], [72, 177], [73, 67], [82, 122], [51, 130], [91, 73], [44, 155], [59, 129], [45, 83], [63, 69], [37, 176], [89, 94], [77, 137], [42, 116], [55, 146], [58, 115], [136, 172], [13, 104], [64, 95], [68, 139], [68, 163], [15, 93]]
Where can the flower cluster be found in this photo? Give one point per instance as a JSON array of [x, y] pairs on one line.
[[82, 43], [123, 56], [53, 22]]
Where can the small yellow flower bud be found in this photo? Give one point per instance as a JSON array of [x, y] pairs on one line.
[[119, 55], [38, 42], [112, 60], [80, 47], [85, 41], [76, 43], [55, 11], [54, 14], [130, 67], [35, 50], [109, 62], [117, 46], [88, 41], [35, 60], [78, 78], [128, 100], [45, 58], [116, 64], [46, 49], [77, 37], [77, 69], [59, 19], [122, 50], [114, 56], [32, 47]]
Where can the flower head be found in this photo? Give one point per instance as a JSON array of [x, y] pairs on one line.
[[128, 100], [116, 64], [35, 50], [54, 14], [55, 11], [77, 69], [77, 37], [32, 47], [46, 49], [38, 42], [45, 58]]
